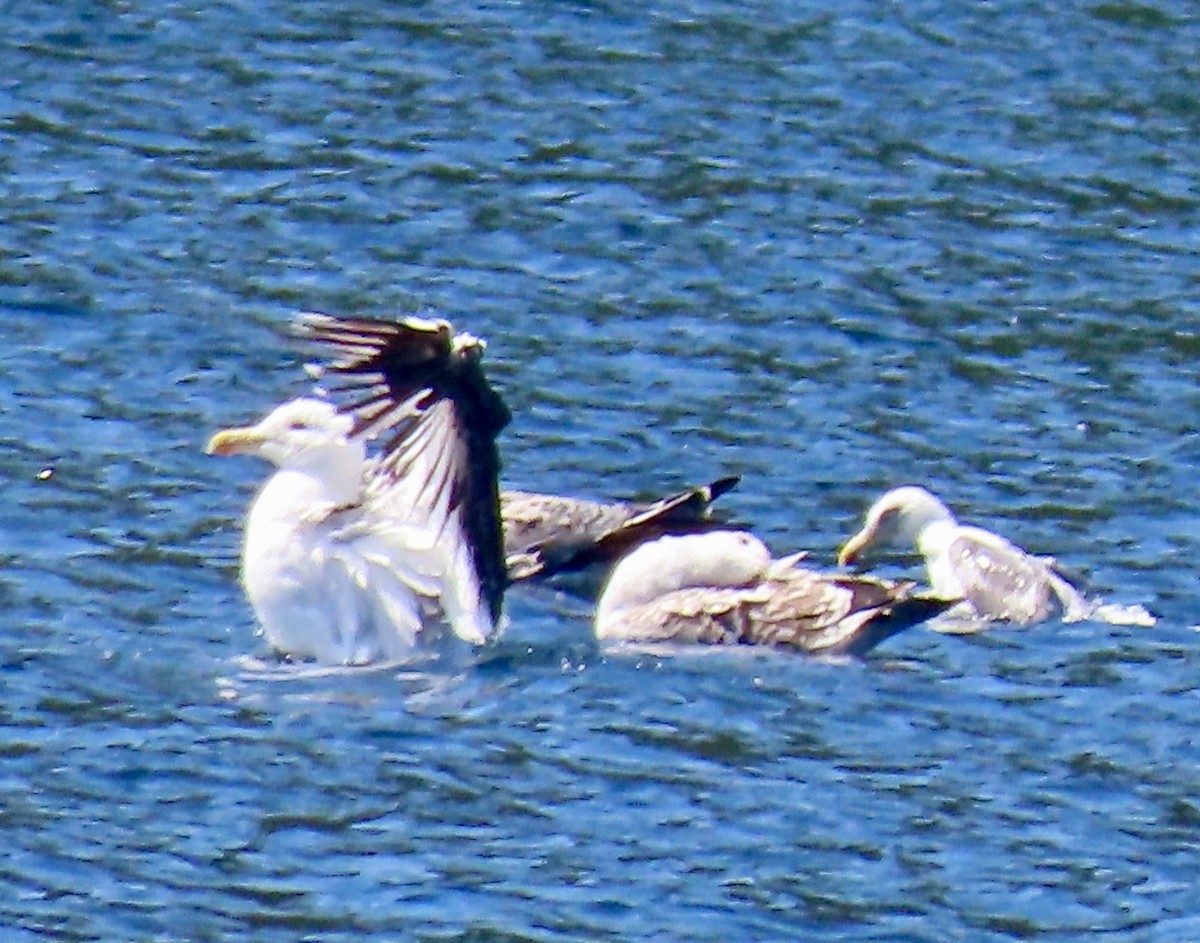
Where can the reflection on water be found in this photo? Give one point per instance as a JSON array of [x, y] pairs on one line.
[[830, 251]]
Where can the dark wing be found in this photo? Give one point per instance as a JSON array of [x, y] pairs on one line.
[[421, 390], [548, 534], [534, 522], [1001, 581]]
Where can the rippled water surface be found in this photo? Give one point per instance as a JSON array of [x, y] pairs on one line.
[[827, 247]]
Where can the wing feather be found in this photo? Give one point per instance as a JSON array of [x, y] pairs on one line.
[[419, 389], [704, 615], [548, 534], [1000, 580], [799, 608]]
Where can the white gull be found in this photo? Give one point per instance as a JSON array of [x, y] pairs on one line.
[[349, 560]]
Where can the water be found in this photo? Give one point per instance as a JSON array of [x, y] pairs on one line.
[[827, 248]]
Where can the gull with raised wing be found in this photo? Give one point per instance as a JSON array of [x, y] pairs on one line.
[[348, 559], [383, 365]]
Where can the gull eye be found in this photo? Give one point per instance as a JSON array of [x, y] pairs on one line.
[[297, 425]]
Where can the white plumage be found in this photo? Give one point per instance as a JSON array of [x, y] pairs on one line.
[[338, 566], [348, 559]]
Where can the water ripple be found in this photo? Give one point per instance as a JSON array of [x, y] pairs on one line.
[[828, 251]]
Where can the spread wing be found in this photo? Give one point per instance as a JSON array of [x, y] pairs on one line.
[[548, 534], [418, 388]]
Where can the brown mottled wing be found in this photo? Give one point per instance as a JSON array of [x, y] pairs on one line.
[[421, 390], [799, 609], [544, 531], [547, 534], [707, 615], [835, 614]]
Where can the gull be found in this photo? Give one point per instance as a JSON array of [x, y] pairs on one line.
[[348, 559], [724, 588], [997, 580]]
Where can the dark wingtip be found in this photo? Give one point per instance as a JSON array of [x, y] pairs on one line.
[[921, 607], [721, 486], [905, 610]]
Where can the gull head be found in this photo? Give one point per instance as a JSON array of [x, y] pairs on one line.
[[303, 434], [897, 520]]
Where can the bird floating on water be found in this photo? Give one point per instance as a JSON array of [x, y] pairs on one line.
[[997, 581], [348, 559], [724, 588]]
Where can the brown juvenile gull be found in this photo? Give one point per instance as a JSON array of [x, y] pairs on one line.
[[546, 534], [348, 560], [723, 588], [997, 581]]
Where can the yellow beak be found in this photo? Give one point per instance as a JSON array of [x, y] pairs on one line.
[[241, 441], [853, 547]]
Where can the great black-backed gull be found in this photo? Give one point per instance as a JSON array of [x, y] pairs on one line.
[[724, 588], [543, 534]]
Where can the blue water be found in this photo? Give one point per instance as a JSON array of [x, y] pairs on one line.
[[829, 248]]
